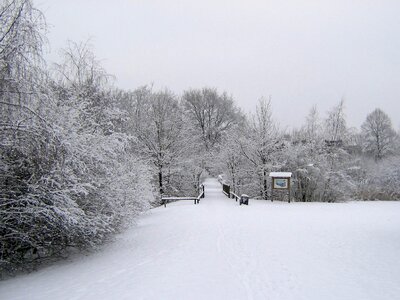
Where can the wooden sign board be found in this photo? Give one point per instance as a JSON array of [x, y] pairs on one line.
[[280, 183]]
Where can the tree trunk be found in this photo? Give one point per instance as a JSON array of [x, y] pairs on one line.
[[160, 181]]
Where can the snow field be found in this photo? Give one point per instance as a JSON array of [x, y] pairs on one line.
[[220, 250]]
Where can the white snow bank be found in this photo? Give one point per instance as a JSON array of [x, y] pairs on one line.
[[220, 250]]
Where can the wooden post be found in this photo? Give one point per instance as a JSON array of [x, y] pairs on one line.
[[272, 190]]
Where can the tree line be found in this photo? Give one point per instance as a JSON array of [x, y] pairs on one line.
[[329, 161], [80, 158]]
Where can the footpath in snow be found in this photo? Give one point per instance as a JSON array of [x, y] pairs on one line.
[[220, 250]]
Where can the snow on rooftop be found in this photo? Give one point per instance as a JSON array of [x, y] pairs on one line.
[[280, 174]]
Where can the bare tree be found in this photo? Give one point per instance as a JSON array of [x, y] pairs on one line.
[[335, 124], [312, 127], [80, 69], [378, 133], [212, 113]]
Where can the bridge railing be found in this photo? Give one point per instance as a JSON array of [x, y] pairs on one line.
[[226, 189], [196, 200], [233, 195]]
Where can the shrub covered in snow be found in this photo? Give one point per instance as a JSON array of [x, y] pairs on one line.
[[69, 175], [381, 180]]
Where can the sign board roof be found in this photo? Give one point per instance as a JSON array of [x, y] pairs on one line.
[[281, 174]]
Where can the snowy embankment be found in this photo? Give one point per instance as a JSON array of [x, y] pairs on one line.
[[220, 250]]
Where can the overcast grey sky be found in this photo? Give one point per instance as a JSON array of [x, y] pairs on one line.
[[300, 53]]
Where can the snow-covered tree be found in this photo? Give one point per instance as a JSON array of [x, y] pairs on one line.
[[323, 170], [158, 127], [70, 177], [208, 116], [98, 150], [379, 135], [381, 179], [28, 145], [231, 161], [261, 146]]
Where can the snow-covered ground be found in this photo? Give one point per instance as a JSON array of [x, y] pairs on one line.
[[220, 250]]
